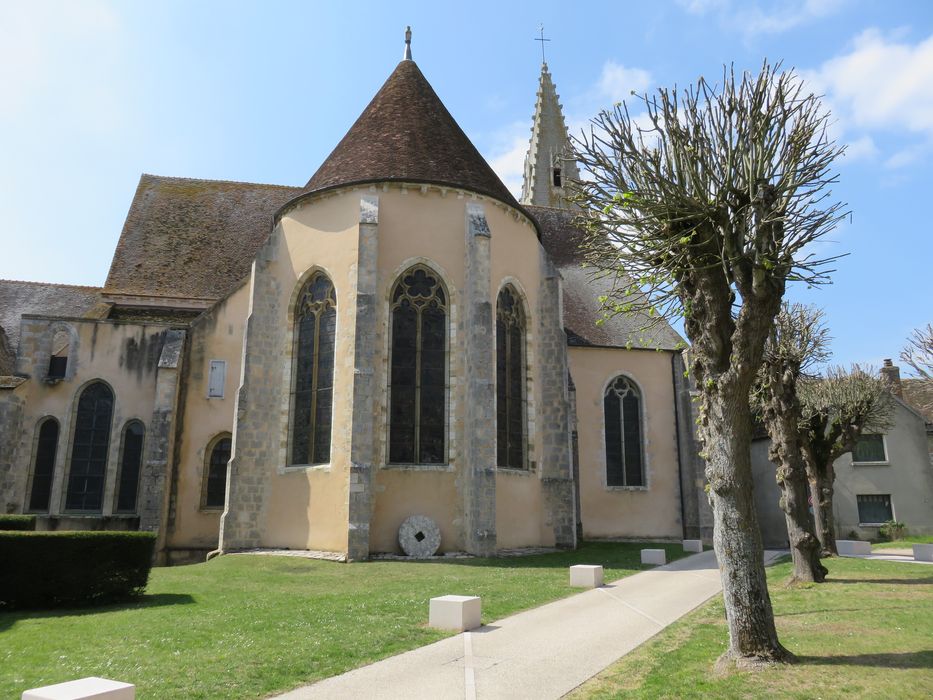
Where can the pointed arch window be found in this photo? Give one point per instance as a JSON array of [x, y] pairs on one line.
[[316, 326], [215, 472], [418, 374], [131, 459], [510, 380], [89, 450], [44, 468], [624, 449]]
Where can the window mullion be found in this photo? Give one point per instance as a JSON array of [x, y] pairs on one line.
[[312, 418], [622, 439], [417, 446]]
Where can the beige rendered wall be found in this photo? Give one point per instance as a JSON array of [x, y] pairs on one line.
[[124, 355], [652, 512], [217, 335]]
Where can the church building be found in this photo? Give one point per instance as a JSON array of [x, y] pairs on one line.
[[307, 367]]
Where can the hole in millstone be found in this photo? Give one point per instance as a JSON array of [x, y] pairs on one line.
[[419, 536]]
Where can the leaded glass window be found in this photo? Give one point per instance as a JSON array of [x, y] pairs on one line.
[[510, 380], [418, 374], [44, 467], [215, 483], [316, 326], [869, 448], [622, 408], [89, 450], [130, 463]]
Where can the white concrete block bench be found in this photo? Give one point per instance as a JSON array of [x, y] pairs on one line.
[[693, 545], [586, 576], [850, 548], [84, 689], [923, 552], [455, 612], [653, 556]]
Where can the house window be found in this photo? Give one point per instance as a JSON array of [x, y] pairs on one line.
[[215, 479], [44, 467], [868, 449], [216, 379], [874, 509], [130, 466], [89, 449], [418, 375], [316, 326], [622, 412], [510, 380]]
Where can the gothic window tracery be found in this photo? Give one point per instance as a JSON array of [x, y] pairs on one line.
[[624, 449], [89, 450], [510, 380], [418, 370], [316, 325]]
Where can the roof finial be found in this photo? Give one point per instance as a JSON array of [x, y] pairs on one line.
[[407, 55], [542, 40]]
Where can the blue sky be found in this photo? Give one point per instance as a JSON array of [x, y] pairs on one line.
[[94, 93]]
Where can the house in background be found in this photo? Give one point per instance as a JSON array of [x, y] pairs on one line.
[[886, 477]]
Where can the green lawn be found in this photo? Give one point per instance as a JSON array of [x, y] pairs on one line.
[[904, 543], [868, 633], [247, 626]]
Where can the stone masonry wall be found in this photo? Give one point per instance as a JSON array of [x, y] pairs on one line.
[[11, 425]]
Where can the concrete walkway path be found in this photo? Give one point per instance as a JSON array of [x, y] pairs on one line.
[[541, 653]]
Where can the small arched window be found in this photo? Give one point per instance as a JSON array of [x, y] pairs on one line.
[[316, 325], [58, 359], [418, 374], [130, 464], [89, 450], [622, 407], [510, 380], [215, 476], [44, 468]]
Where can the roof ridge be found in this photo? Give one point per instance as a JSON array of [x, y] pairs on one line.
[[219, 182], [52, 284]]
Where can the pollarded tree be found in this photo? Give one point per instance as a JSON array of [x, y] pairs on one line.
[[705, 206], [797, 342], [919, 355], [837, 409]]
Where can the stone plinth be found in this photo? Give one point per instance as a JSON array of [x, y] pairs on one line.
[[84, 689], [653, 556], [693, 545], [586, 576], [848, 548], [455, 612], [923, 552]]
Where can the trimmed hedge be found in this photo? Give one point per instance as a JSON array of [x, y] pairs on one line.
[[17, 522], [52, 569]]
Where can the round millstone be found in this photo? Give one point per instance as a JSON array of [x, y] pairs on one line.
[[419, 537]]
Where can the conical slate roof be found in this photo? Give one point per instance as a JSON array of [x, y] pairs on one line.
[[406, 134]]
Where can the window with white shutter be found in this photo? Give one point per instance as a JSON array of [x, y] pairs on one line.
[[216, 379]]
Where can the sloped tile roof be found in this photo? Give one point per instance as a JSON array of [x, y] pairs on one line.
[[18, 298], [919, 394], [582, 309], [192, 238], [406, 134]]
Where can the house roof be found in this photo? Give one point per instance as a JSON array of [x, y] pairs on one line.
[[18, 298], [406, 134], [918, 393], [192, 238], [585, 321]]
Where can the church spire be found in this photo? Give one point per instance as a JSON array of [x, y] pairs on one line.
[[547, 165]]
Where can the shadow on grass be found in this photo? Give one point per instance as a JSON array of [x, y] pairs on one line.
[[8, 618], [892, 581], [907, 659]]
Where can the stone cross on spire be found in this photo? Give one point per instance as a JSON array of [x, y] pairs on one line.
[[542, 40], [407, 55], [548, 165]]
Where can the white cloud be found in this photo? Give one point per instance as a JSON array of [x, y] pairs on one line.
[[904, 158], [616, 82], [862, 148], [508, 159], [753, 18]]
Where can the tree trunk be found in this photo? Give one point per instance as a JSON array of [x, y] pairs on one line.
[[727, 430], [821, 490], [804, 545]]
